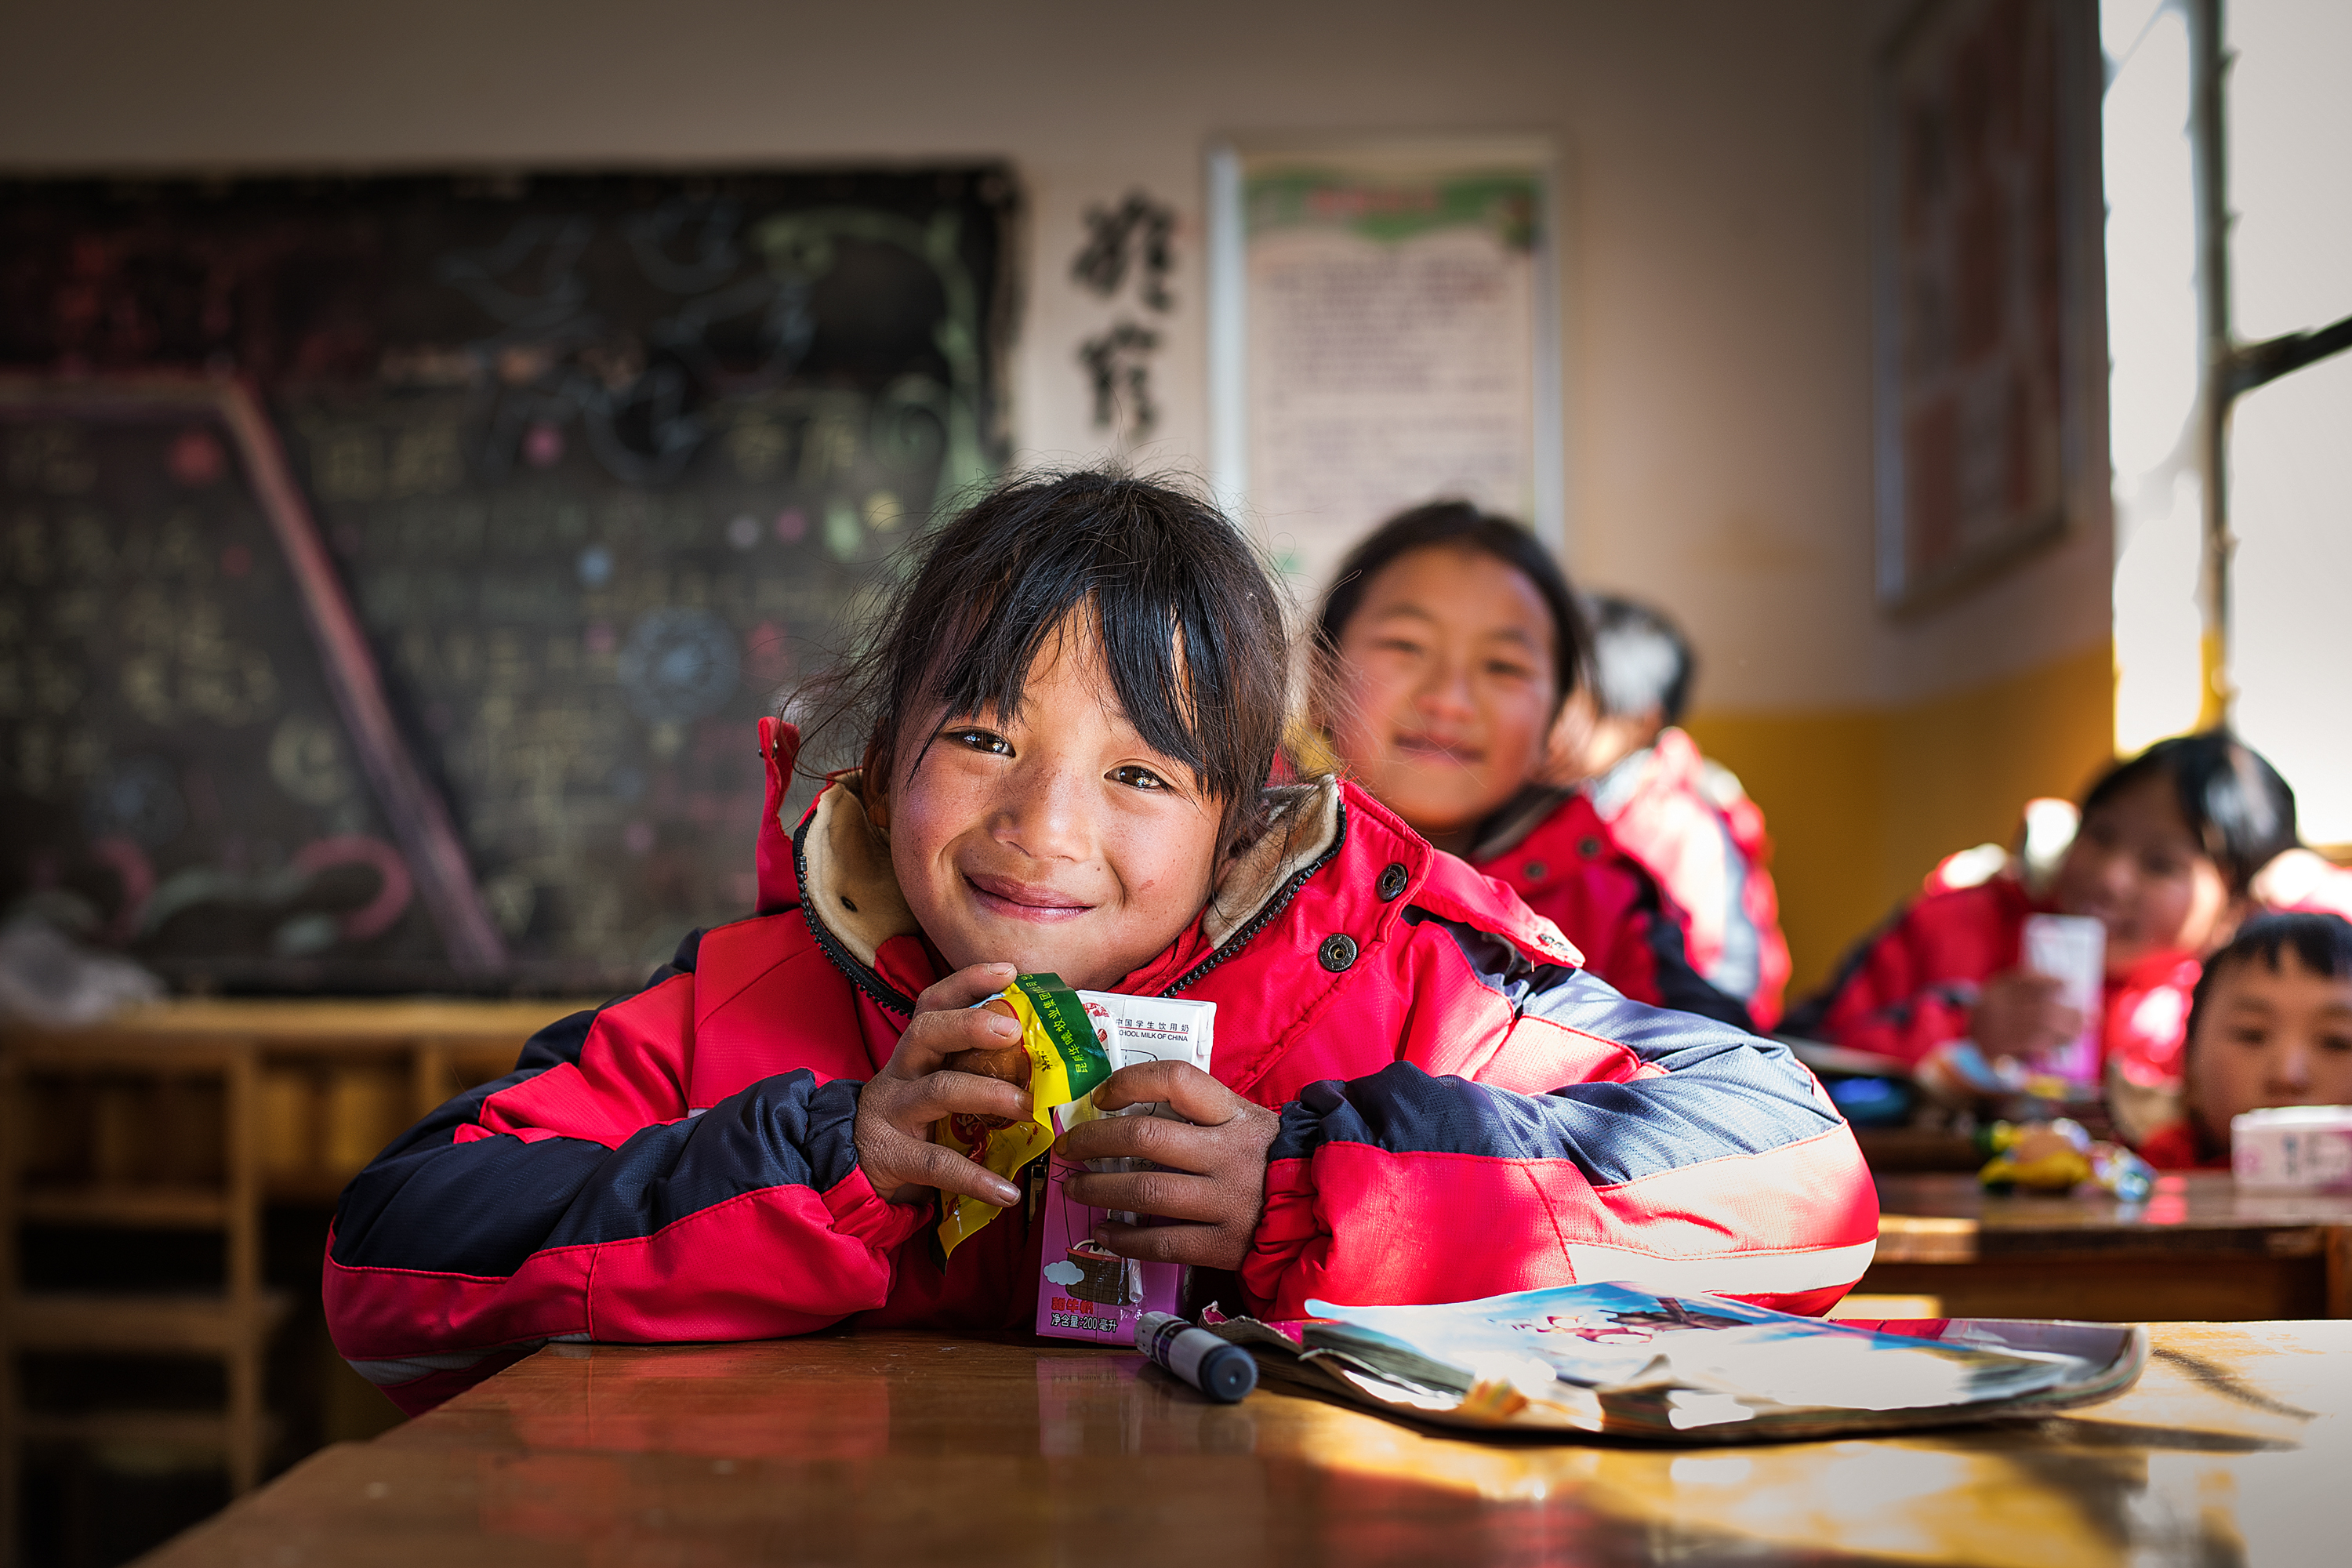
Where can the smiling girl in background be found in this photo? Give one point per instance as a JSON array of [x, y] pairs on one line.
[[2169, 858], [1450, 642], [1069, 718]]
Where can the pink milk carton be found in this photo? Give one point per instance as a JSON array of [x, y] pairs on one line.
[[1085, 1292], [2073, 951]]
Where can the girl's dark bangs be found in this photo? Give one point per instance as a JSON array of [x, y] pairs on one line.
[[1167, 671], [1146, 625]]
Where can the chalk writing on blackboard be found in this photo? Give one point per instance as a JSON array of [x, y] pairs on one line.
[[600, 463]]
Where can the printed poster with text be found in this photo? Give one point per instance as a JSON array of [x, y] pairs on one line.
[[1393, 326]]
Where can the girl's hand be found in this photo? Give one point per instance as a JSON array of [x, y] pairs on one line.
[[899, 1105], [1216, 1174], [2019, 1013]]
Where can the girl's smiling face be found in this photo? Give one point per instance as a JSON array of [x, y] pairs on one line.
[[1446, 689], [1051, 838], [2136, 867]]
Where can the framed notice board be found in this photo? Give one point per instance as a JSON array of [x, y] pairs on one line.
[[391, 570], [1991, 437], [1383, 332]]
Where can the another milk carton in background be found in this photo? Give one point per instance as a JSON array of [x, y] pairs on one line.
[[2073, 951], [1086, 1292], [2292, 1148]]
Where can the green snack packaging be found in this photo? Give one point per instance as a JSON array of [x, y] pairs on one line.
[[1066, 1060]]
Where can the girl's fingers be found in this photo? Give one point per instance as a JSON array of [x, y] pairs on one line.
[[1164, 1195], [973, 984], [934, 1038], [1202, 1246], [1150, 1138], [927, 1098], [1196, 1096], [930, 1166]]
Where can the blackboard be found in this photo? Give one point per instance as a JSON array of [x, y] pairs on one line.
[[391, 570]]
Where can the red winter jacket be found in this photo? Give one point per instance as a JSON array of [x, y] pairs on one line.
[[1915, 987], [1699, 835], [1463, 1112], [1551, 849]]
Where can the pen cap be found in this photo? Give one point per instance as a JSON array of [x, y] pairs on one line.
[[1227, 1373]]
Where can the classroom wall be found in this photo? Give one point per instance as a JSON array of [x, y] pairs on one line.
[[1863, 802], [1716, 329]]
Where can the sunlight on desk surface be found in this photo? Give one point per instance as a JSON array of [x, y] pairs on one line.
[[1859, 1305], [902, 1447]]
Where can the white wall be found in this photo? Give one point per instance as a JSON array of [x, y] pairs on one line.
[[1715, 282]]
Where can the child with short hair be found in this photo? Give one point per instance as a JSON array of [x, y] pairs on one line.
[[2271, 1024], [1070, 716], [1684, 818], [1447, 645], [2169, 848]]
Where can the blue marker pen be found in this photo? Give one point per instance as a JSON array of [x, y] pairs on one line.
[[1222, 1371]]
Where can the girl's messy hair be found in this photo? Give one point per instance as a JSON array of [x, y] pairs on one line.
[[1188, 624], [2240, 811], [1461, 526], [2322, 943]]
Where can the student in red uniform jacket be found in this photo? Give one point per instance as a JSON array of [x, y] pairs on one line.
[[1685, 819], [2271, 1024], [2169, 846], [1448, 642], [1069, 719]]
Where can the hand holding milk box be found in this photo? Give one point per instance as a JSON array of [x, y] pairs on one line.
[[1085, 1292]]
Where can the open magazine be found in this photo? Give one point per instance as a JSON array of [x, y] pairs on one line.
[[1621, 1361]]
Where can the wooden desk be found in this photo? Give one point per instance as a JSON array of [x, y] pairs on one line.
[[2198, 1250], [905, 1448]]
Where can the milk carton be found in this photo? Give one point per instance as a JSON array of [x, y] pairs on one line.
[[2292, 1148], [1085, 1292], [2073, 951]]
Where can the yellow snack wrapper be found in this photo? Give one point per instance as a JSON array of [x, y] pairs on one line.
[[1065, 1061]]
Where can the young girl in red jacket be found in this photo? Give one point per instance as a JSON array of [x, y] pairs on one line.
[[2271, 1024], [1449, 642], [2166, 859], [1069, 721]]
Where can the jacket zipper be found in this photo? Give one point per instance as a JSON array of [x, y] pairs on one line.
[[1266, 914], [860, 976]]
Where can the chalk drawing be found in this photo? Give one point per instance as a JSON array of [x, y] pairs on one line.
[[678, 665]]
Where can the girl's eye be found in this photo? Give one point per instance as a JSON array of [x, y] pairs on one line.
[[1137, 777], [982, 741], [2253, 1039], [1509, 671], [1405, 645], [2339, 1043]]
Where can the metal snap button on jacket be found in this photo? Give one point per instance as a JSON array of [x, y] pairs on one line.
[[1337, 952], [1392, 882]]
